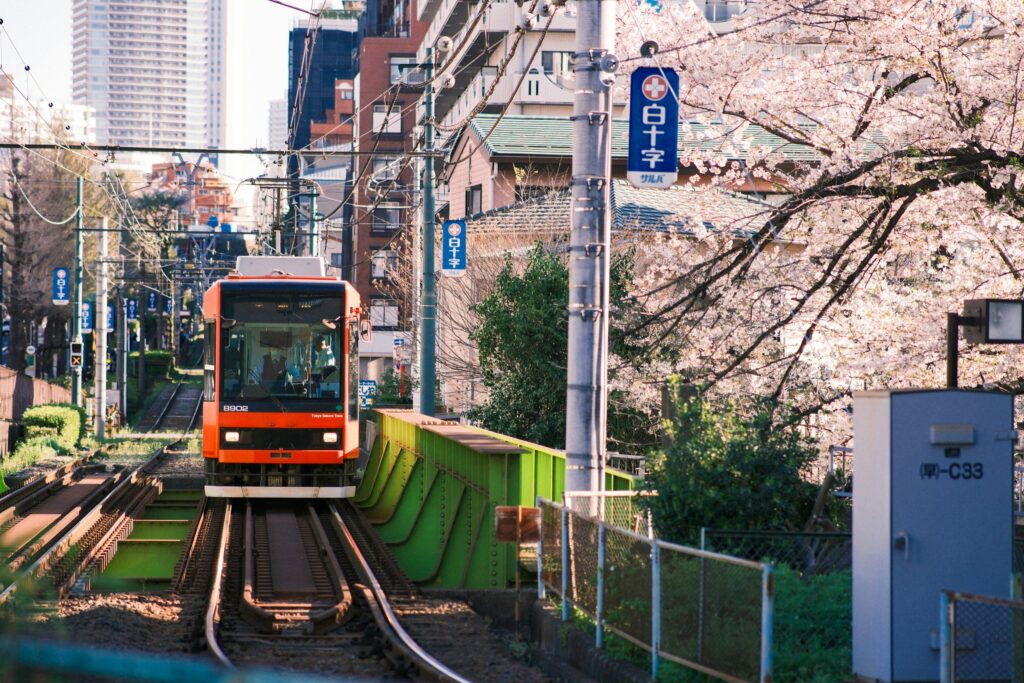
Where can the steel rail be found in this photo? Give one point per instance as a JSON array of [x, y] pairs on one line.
[[82, 527], [35, 485], [383, 615], [167, 406], [213, 608]]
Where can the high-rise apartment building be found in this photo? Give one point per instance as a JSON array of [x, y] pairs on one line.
[[312, 74], [153, 70], [277, 124]]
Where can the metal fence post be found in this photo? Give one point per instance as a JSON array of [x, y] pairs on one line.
[[700, 596], [945, 640], [767, 622], [655, 606], [540, 553], [601, 540], [565, 562]]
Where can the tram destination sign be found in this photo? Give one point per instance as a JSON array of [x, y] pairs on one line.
[[653, 128], [61, 287]]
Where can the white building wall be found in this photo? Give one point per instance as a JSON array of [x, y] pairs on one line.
[[153, 70]]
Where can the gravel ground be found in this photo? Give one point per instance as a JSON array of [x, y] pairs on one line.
[[120, 621], [459, 637], [164, 624]]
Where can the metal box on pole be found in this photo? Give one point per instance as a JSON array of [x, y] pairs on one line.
[[932, 511]]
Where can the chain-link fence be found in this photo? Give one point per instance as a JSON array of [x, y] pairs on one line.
[[808, 554], [982, 639], [813, 590], [705, 611]]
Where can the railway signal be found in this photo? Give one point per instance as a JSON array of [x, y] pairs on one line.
[[77, 354]]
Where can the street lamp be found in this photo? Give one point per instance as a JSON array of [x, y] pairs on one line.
[[985, 321]]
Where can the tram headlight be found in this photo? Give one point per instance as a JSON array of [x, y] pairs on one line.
[[231, 437], [330, 437]]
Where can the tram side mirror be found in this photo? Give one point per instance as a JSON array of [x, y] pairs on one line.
[[365, 330]]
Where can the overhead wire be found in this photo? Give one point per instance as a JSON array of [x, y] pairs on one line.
[[37, 211]]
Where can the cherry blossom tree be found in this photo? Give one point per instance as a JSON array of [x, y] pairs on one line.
[[893, 133]]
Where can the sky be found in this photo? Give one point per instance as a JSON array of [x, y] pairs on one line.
[[257, 36]]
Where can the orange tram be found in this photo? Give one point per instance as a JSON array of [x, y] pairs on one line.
[[281, 381]]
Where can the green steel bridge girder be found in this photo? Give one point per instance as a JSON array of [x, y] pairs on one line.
[[430, 489]]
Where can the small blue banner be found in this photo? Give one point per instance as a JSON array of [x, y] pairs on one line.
[[87, 310], [653, 127], [367, 392], [151, 302], [132, 309], [61, 287], [453, 248]]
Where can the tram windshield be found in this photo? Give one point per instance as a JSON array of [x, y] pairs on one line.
[[283, 348]]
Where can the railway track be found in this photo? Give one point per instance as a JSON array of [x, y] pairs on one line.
[[53, 529], [182, 413], [291, 582]]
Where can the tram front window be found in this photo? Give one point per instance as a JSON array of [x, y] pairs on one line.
[[284, 349]]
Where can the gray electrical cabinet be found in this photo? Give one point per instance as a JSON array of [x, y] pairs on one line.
[[932, 510]]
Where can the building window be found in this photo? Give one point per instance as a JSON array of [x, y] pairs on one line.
[[722, 10], [383, 263], [387, 217], [384, 314], [383, 168], [401, 68], [474, 199], [383, 123], [555, 63]]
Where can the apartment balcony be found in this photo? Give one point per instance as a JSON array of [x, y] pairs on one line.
[[538, 88], [498, 22]]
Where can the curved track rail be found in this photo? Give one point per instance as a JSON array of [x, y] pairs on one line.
[[367, 588]]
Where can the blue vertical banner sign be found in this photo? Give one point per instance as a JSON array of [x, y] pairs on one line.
[[151, 302], [87, 311], [653, 127], [111, 321], [61, 287], [367, 392], [453, 248], [133, 309]]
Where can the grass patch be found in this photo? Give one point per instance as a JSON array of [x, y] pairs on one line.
[[123, 448], [812, 632]]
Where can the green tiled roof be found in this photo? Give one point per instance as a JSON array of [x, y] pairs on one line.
[[551, 136], [681, 208]]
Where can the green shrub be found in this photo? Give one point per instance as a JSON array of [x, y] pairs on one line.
[[158, 363], [60, 421], [30, 451], [729, 467]]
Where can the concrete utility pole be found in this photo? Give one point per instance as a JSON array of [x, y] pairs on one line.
[[76, 310], [100, 325], [428, 300], [586, 415]]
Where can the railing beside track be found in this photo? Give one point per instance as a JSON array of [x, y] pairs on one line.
[[708, 612]]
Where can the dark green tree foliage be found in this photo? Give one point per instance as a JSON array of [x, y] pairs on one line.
[[522, 336], [728, 468]]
